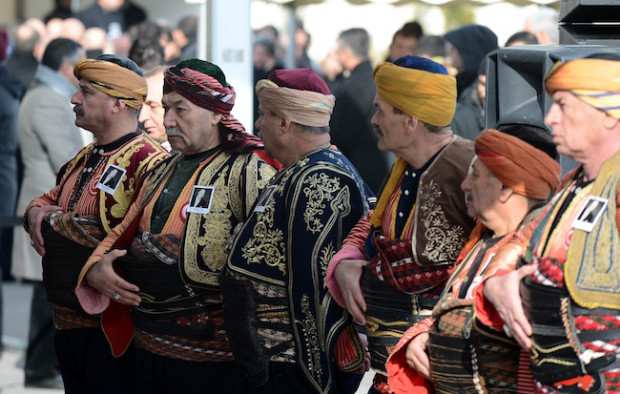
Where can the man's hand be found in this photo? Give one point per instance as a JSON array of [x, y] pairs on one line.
[[416, 355], [102, 277], [34, 219], [503, 293], [348, 273], [366, 366]]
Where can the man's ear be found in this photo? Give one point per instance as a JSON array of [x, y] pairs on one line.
[[610, 122], [505, 194], [410, 123], [118, 105], [216, 118], [284, 125]]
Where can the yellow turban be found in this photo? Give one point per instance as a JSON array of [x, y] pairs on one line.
[[594, 81], [424, 95], [113, 80], [518, 165], [304, 107]]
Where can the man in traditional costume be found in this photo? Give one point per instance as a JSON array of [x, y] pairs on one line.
[[285, 329], [562, 304], [67, 223], [409, 244], [170, 251], [507, 186]]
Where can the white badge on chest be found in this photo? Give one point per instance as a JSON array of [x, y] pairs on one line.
[[200, 200], [590, 213], [111, 178], [264, 198]]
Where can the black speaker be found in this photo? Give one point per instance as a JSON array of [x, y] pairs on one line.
[[587, 11], [590, 34], [515, 91]]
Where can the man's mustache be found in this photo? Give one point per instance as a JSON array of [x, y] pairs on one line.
[[78, 110], [173, 132]]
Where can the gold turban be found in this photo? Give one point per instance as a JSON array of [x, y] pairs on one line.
[[594, 81], [518, 165], [304, 107], [113, 80], [424, 95]]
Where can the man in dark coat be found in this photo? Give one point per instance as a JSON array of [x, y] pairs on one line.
[[10, 92], [351, 130]]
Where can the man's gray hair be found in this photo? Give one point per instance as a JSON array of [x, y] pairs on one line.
[[545, 19], [312, 129], [357, 40]]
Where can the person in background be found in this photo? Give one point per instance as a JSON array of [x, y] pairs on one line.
[[114, 16], [73, 29], [152, 112], [350, 127], [95, 42], [544, 25], [405, 41], [469, 117], [434, 48], [23, 62], [265, 62], [185, 35], [10, 94], [469, 45], [521, 38], [62, 10]]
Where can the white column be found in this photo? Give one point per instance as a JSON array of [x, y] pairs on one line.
[[228, 44]]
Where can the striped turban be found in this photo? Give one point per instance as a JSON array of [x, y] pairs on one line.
[[299, 95], [594, 81], [418, 87], [528, 171], [123, 83], [204, 84]]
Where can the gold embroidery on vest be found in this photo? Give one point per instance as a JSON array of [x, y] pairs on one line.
[[265, 245], [319, 190], [325, 256], [122, 196], [311, 338], [208, 234], [443, 243]]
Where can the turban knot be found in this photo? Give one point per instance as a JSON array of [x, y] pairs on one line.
[[518, 165], [190, 79], [594, 81], [425, 95], [114, 80], [304, 107]]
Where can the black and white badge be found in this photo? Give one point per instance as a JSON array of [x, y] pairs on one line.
[[111, 178], [200, 200], [590, 213], [264, 198]]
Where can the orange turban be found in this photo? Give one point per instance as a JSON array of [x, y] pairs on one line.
[[518, 165], [428, 96], [113, 80], [594, 81]]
